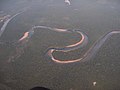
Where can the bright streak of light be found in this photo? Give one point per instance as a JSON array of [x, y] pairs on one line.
[[68, 2]]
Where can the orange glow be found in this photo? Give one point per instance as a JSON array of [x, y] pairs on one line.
[[25, 36], [78, 42]]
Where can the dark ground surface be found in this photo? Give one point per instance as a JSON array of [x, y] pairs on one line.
[[93, 17]]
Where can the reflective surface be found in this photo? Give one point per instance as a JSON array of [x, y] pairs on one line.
[[95, 18]]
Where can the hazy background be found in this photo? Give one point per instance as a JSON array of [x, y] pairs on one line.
[[33, 68]]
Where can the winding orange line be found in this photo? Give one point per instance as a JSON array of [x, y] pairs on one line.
[[87, 55], [69, 46], [77, 42]]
